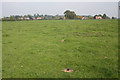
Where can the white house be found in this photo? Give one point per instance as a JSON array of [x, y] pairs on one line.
[[98, 17], [27, 18]]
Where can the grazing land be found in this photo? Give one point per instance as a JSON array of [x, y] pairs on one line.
[[43, 48]]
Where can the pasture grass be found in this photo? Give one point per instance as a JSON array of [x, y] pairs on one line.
[[43, 48]]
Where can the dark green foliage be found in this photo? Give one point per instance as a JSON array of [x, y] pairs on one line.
[[70, 14], [105, 16]]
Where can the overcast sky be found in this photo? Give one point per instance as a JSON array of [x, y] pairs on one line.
[[13, 7], [59, 0]]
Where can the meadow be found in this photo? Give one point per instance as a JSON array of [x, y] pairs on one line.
[[43, 48]]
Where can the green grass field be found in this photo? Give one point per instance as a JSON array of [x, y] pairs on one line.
[[43, 48]]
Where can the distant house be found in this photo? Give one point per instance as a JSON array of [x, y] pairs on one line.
[[33, 18], [6, 18], [84, 17], [26, 18], [48, 17], [21, 18], [61, 17], [79, 17], [98, 17], [39, 18]]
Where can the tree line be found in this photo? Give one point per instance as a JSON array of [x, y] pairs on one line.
[[72, 15], [67, 15]]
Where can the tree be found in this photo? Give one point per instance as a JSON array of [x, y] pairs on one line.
[[114, 18], [100, 15], [104, 16], [70, 14], [38, 15], [12, 18], [95, 17], [30, 16]]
